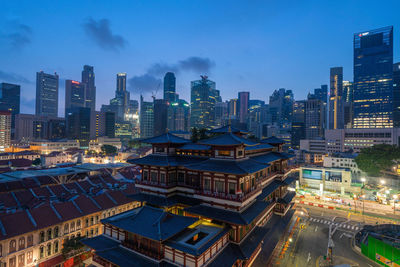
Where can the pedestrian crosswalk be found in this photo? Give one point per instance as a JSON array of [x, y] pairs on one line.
[[338, 224]]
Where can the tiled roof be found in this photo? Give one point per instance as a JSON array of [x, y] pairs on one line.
[[240, 218], [162, 201], [269, 189], [228, 256], [239, 167], [269, 157], [226, 129], [287, 198], [100, 242], [258, 146], [86, 204], [124, 258], [196, 251], [228, 139], [273, 140], [166, 138], [191, 146], [149, 222], [45, 216]]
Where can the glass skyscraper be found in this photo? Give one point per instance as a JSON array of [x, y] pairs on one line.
[[88, 78], [373, 79], [46, 94], [170, 87], [203, 98]]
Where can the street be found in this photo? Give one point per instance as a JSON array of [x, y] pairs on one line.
[[308, 244]]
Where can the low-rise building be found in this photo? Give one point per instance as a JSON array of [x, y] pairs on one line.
[[342, 160], [343, 140], [326, 179], [36, 223], [97, 143], [47, 146]]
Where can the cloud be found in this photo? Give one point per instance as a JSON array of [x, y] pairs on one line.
[[13, 78], [100, 32], [18, 35], [193, 64], [196, 64], [153, 77], [144, 83]]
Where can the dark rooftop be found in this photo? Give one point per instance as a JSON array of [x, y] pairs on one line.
[[165, 139], [149, 222], [227, 139], [227, 129], [240, 218], [273, 140]]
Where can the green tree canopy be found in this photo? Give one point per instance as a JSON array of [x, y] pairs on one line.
[[373, 160], [109, 150], [195, 135], [36, 162]]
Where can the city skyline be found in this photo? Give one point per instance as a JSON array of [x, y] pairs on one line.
[[248, 65]]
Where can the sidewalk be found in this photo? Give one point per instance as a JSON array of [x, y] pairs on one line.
[[337, 260]]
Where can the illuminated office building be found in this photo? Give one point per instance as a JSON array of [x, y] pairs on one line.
[[203, 98], [5, 130], [170, 87], [46, 94], [88, 79], [336, 116], [373, 79]]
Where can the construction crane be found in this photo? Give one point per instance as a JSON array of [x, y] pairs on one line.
[[153, 94]]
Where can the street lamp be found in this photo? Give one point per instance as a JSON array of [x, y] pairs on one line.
[[383, 182]]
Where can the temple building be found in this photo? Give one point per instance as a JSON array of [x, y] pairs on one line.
[[223, 201]]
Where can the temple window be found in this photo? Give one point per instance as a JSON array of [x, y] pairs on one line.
[[153, 176], [162, 178], [181, 177], [224, 153], [145, 175], [232, 188], [207, 184], [219, 186]]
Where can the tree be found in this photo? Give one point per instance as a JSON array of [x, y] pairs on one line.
[[36, 162], [72, 246], [373, 160], [134, 143], [195, 135], [203, 134], [109, 150]]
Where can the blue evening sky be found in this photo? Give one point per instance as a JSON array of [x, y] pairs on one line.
[[255, 46]]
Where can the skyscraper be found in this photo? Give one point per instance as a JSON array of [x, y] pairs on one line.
[[10, 100], [5, 130], [373, 78], [396, 94], [179, 116], [160, 116], [348, 104], [336, 112], [203, 97], [170, 87], [78, 125], [46, 94], [232, 108], [243, 106], [120, 103], [88, 79], [146, 118], [281, 106], [74, 95], [315, 118]]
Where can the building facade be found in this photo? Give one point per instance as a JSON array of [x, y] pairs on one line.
[[88, 79], [5, 130], [170, 87], [46, 94], [373, 79], [336, 101], [203, 97]]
